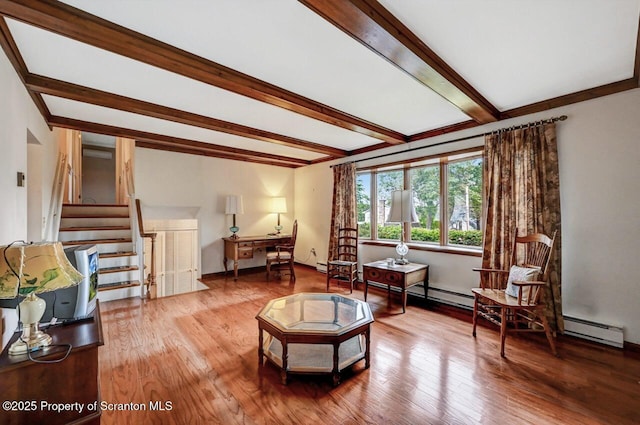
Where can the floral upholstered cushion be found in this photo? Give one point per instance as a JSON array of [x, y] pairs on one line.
[[517, 273]]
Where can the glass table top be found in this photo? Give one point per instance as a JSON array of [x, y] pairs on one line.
[[323, 313]]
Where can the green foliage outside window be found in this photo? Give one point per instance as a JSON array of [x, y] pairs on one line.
[[465, 237], [457, 237], [364, 230]]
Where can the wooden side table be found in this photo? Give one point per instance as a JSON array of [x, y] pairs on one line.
[[73, 381], [401, 276]]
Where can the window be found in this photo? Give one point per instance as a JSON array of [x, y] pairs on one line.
[[386, 183], [447, 194], [425, 183], [363, 202], [464, 202]]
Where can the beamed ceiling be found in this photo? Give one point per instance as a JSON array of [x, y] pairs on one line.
[[292, 83]]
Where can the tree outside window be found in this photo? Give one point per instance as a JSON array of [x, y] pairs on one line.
[[363, 204], [386, 183], [425, 183], [464, 202]]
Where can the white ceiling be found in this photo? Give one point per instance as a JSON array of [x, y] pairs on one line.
[[514, 53]]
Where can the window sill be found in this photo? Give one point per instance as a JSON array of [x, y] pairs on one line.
[[424, 247]]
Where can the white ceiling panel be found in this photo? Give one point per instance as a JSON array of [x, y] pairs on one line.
[[519, 52], [113, 117], [286, 44], [64, 59]]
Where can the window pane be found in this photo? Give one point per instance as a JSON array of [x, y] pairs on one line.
[[386, 183], [425, 183], [464, 202], [363, 201]]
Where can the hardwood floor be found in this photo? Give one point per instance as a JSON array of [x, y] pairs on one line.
[[196, 354]]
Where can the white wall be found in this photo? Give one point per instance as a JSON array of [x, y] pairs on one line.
[[171, 185], [599, 155], [18, 117]]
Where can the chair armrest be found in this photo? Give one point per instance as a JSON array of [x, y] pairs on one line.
[[529, 283], [490, 270]]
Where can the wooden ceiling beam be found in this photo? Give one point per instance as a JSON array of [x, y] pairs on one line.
[[68, 21], [568, 99], [53, 87], [368, 22], [182, 149], [178, 144]]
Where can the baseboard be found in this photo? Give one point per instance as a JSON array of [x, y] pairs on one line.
[[451, 298], [632, 348], [321, 267], [579, 328], [247, 270], [598, 332]]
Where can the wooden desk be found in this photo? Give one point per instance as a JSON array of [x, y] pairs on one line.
[[30, 386], [398, 276], [243, 248]]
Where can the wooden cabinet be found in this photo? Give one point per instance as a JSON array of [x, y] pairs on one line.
[[28, 387], [177, 255]]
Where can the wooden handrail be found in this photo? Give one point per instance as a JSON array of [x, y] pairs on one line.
[[57, 194], [150, 282], [129, 179]]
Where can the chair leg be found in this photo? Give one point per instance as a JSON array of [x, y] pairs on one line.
[[268, 271], [475, 315], [503, 329], [292, 276], [328, 276], [547, 331]]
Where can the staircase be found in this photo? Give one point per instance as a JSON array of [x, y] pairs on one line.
[[109, 228]]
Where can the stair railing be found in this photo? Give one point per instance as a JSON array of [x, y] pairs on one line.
[[135, 218], [52, 225], [150, 281]]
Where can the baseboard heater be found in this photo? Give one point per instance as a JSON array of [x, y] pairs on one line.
[[321, 267], [452, 298], [580, 328], [598, 332]]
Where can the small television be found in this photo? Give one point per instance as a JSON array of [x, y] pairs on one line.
[[74, 302], [80, 300]]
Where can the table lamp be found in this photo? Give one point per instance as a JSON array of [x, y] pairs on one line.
[[279, 205], [402, 211], [27, 270], [234, 206]]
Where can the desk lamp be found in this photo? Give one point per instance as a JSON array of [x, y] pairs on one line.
[[234, 206], [27, 270], [278, 206], [402, 211]]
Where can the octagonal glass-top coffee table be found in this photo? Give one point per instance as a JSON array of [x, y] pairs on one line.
[[314, 333]]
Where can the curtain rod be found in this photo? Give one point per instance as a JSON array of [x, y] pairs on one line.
[[461, 139]]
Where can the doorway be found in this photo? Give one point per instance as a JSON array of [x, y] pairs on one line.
[[98, 169], [35, 216]]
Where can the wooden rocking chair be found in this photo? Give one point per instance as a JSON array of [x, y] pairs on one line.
[[514, 299]]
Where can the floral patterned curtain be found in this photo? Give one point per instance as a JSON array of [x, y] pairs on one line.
[[522, 191], [343, 213]]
